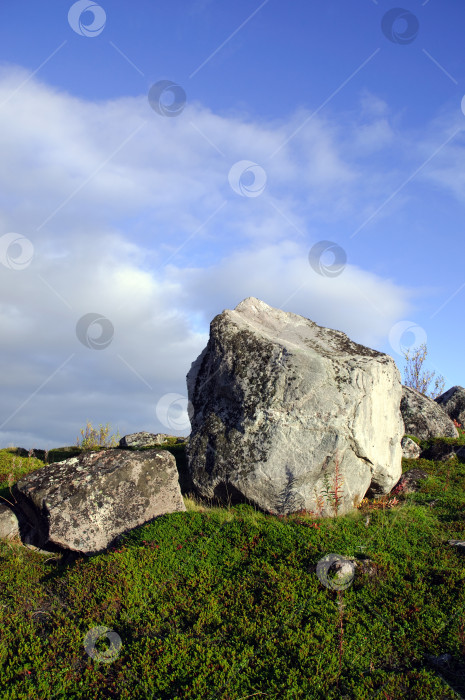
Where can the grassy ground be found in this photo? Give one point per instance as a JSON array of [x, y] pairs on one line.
[[226, 603]]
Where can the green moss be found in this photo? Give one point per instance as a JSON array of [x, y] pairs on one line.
[[226, 602], [414, 438]]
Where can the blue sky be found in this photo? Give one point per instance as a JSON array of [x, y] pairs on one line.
[[296, 123]]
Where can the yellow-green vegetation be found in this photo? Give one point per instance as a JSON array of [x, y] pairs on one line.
[[92, 438], [225, 603]]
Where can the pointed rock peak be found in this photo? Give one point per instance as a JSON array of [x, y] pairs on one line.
[[252, 304], [257, 310]]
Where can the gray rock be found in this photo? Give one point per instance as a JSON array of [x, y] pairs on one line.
[[423, 417], [410, 449], [9, 525], [83, 503], [457, 543], [143, 439], [409, 482], [453, 403], [348, 567], [278, 399]]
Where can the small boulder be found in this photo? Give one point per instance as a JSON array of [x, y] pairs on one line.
[[410, 449], [409, 482], [85, 502], [9, 525], [423, 417], [460, 544], [137, 440]]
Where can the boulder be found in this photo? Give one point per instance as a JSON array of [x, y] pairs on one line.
[[453, 403], [410, 449], [279, 401], [409, 482], [83, 503], [423, 417], [143, 439], [9, 525]]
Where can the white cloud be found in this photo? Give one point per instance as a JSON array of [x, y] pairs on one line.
[[110, 249]]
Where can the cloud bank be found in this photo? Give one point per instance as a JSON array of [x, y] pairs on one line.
[[130, 215]]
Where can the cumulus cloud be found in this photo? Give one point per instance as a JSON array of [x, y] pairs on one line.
[[131, 215]]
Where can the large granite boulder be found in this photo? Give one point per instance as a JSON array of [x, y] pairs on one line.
[[83, 503], [423, 417], [453, 403], [278, 400]]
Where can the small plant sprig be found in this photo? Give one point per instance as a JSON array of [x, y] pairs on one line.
[[333, 496], [320, 503], [92, 438]]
